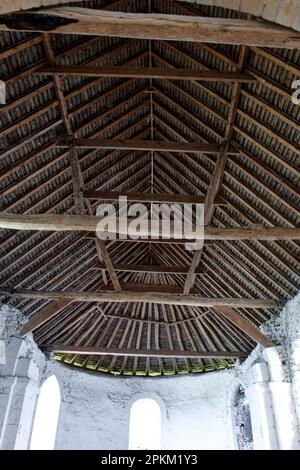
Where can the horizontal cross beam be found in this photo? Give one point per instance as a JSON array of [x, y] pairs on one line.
[[145, 145], [149, 297], [74, 20], [142, 268], [141, 287], [142, 72], [102, 351], [161, 198], [154, 241], [87, 223]]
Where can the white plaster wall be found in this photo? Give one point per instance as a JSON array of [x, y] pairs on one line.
[[95, 410], [285, 330], [197, 409]]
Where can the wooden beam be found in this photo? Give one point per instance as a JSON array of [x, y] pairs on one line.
[[44, 315], [212, 192], [145, 145], [57, 84], [245, 326], [160, 241], [219, 170], [87, 223], [141, 287], [102, 351], [77, 180], [73, 20], [162, 198], [150, 297], [142, 72], [152, 269], [100, 245]]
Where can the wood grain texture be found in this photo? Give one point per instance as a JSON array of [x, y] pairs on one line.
[[73, 20]]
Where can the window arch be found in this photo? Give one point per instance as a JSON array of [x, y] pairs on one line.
[[46, 416], [145, 425]]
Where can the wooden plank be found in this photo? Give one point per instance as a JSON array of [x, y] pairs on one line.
[[245, 326], [212, 192], [44, 315], [142, 72], [87, 223], [163, 198], [150, 297], [57, 85], [141, 287], [160, 241], [73, 20], [219, 170], [100, 245], [157, 145], [77, 180], [102, 351], [142, 268]]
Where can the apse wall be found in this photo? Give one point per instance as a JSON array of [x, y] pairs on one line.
[[95, 410], [198, 411]]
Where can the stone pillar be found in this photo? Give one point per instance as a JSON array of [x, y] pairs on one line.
[[261, 409], [20, 374], [282, 400]]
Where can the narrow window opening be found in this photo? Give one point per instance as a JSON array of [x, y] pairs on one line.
[[46, 416], [145, 425]]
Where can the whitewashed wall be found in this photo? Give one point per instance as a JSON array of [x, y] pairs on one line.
[[197, 410], [95, 410]]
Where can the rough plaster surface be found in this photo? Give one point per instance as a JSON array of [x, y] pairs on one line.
[[196, 410], [95, 410], [285, 330], [20, 373]]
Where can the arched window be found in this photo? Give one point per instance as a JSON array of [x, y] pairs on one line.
[[145, 425], [242, 420], [46, 416]]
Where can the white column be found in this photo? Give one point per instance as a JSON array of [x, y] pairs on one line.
[[261, 409], [20, 374], [282, 401]]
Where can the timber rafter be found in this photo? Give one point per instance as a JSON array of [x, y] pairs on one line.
[[91, 118]]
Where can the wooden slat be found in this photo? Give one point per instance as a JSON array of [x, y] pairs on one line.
[[100, 245], [142, 268], [142, 72], [145, 197], [86, 21], [141, 287], [86, 223], [161, 146], [219, 170], [245, 326], [154, 241], [77, 180], [212, 192], [151, 297], [44, 315], [102, 351]]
